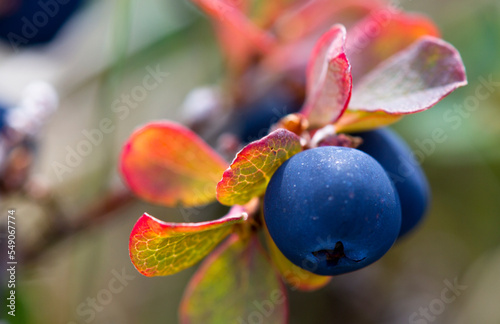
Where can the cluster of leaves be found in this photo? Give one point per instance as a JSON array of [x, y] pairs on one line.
[[401, 69]]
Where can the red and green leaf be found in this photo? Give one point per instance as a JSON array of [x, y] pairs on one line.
[[413, 80], [168, 164], [158, 248], [247, 177], [235, 281], [329, 81], [382, 34], [296, 277]]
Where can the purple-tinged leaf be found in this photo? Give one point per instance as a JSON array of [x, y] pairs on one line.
[[412, 80]]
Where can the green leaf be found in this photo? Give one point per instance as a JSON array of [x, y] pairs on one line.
[[248, 175], [236, 284], [158, 248]]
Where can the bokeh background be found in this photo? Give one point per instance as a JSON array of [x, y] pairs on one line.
[[106, 49]]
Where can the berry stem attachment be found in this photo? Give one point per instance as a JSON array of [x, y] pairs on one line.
[[321, 134]]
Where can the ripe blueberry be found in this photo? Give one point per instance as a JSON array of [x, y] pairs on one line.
[[396, 158], [256, 117], [332, 210]]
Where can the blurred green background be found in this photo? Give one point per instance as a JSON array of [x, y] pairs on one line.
[[104, 52]]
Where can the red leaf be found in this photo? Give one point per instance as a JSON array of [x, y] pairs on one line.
[[413, 80], [382, 34], [247, 177], [232, 285], [329, 79], [158, 248], [166, 163]]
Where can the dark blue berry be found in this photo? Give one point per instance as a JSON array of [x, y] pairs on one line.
[[332, 210], [397, 159], [256, 117]]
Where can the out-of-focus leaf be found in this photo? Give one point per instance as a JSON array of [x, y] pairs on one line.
[[480, 288], [296, 277], [265, 13], [158, 248], [329, 81], [383, 33], [228, 15], [412, 80], [166, 163], [247, 177], [233, 283], [237, 50], [357, 121], [310, 17]]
